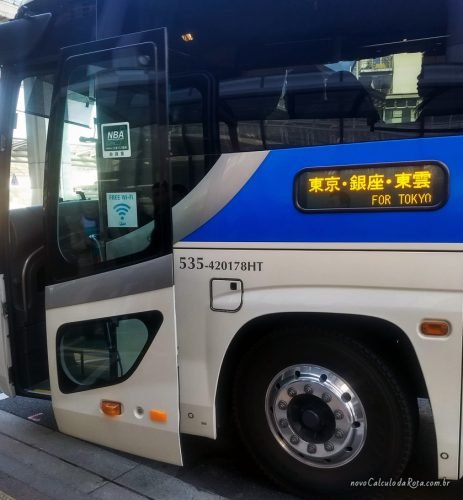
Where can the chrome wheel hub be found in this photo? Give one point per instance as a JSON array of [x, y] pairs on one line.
[[316, 416]]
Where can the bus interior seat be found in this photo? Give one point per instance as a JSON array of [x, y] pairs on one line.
[[250, 99], [314, 95], [78, 220], [185, 106], [187, 148], [338, 95], [440, 86]]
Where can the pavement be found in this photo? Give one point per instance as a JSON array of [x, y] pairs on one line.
[[29, 439], [39, 463]]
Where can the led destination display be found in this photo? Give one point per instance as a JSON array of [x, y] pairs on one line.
[[397, 186]]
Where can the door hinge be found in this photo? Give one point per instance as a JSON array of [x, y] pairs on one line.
[[5, 310]]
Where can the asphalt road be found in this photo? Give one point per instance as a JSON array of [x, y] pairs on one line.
[[223, 469]]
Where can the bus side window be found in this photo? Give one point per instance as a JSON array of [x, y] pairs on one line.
[[187, 136], [29, 141], [440, 86], [103, 352]]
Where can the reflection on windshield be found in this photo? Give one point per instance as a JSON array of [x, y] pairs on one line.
[[29, 142]]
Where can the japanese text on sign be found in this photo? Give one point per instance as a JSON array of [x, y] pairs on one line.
[[392, 186]]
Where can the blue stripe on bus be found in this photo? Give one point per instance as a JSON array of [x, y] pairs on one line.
[[264, 211]]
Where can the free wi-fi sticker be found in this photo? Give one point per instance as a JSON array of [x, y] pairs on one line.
[[122, 209]]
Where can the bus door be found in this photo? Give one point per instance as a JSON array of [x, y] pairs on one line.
[[6, 118], [111, 332]]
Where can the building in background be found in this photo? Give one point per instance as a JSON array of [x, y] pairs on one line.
[[8, 9], [395, 77]]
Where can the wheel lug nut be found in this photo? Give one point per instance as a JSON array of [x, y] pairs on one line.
[[294, 439], [308, 389], [312, 448], [329, 446], [326, 397], [339, 433], [338, 414], [346, 397], [292, 392], [282, 405], [283, 423]]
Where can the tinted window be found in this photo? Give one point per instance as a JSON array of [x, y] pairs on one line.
[[187, 139], [113, 203], [391, 97], [29, 141], [103, 352], [321, 73]]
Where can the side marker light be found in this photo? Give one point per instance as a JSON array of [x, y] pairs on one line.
[[111, 408], [158, 416], [435, 328]]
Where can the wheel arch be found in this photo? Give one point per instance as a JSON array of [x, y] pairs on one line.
[[388, 341]]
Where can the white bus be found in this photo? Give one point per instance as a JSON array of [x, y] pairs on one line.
[[237, 213]]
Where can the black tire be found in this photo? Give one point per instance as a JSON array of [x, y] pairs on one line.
[[389, 413]]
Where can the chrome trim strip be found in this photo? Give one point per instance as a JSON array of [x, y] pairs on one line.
[[147, 276], [231, 172]]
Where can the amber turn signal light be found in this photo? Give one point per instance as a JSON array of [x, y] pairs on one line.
[[435, 328], [158, 416], [111, 408]]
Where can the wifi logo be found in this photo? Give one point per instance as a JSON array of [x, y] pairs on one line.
[[122, 209]]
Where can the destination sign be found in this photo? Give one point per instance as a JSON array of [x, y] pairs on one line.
[[391, 186]]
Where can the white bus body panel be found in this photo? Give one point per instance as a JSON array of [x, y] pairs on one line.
[[153, 385], [402, 288]]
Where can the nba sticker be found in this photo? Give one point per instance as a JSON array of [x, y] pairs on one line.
[[116, 140]]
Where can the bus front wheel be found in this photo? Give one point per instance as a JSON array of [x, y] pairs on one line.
[[320, 411]]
